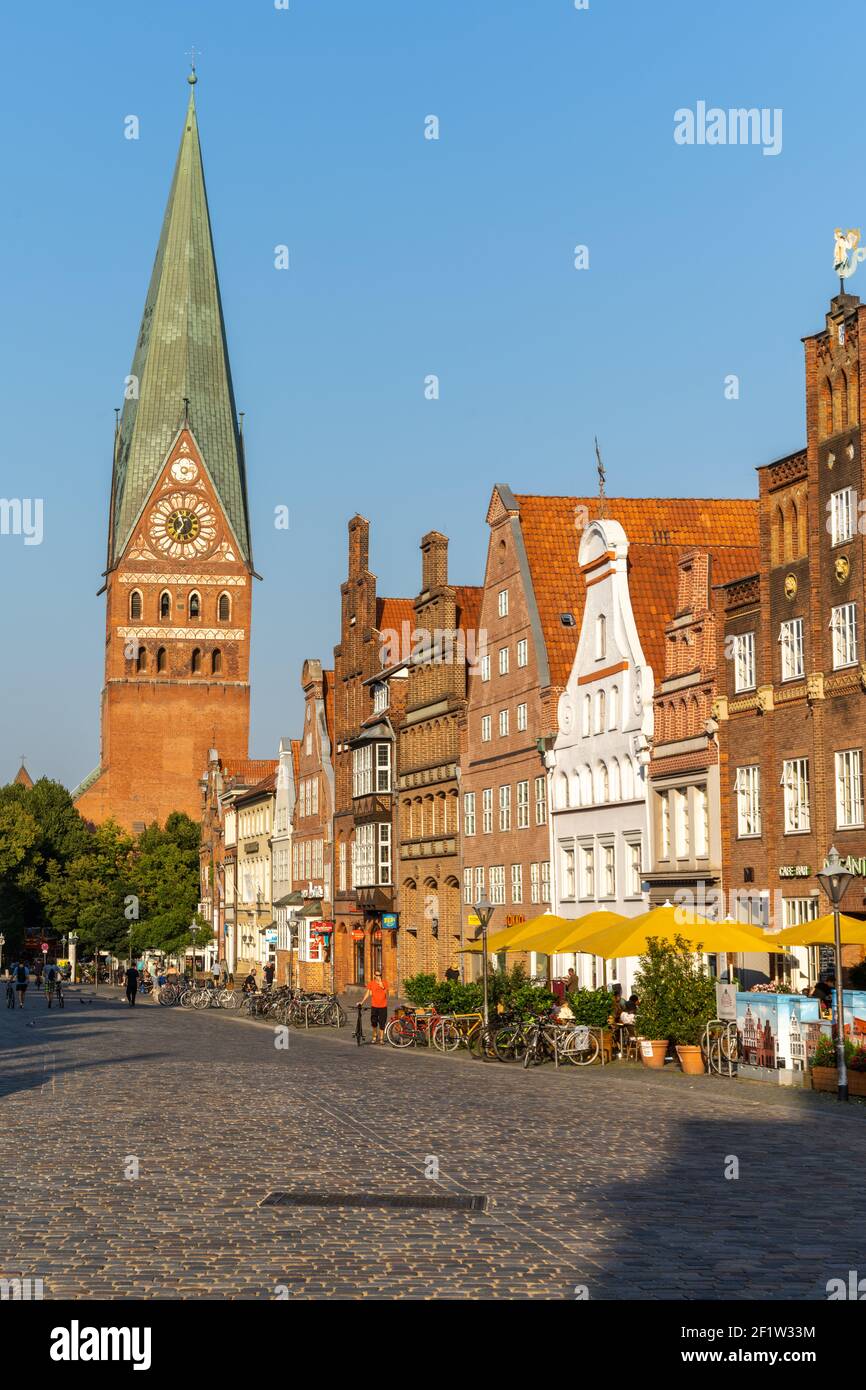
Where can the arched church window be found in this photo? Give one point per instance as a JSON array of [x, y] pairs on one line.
[[141, 659], [600, 636], [216, 661], [196, 660], [135, 605], [160, 659], [224, 608], [165, 604], [195, 605]]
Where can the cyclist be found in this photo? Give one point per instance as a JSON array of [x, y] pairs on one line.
[[377, 993]]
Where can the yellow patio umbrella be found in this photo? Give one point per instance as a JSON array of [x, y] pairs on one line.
[[565, 940], [820, 932], [509, 938], [630, 937]]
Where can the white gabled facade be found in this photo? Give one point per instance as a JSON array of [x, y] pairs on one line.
[[598, 766]]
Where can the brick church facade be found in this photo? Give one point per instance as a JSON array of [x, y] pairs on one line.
[[179, 568]]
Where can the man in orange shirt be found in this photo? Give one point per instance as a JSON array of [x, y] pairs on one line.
[[377, 993]]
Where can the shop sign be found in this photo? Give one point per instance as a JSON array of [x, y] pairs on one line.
[[726, 1002], [389, 921], [271, 937], [795, 870], [358, 934], [515, 920], [473, 920], [855, 866]]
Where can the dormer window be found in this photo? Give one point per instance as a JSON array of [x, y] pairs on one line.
[[381, 697]]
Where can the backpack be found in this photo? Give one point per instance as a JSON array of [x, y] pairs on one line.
[[21, 974]]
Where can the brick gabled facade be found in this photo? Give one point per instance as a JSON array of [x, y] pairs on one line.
[[312, 843], [222, 782], [791, 705], [365, 769], [446, 643]]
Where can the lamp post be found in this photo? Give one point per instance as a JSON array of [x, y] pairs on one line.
[[834, 879], [73, 954], [194, 932], [484, 910]]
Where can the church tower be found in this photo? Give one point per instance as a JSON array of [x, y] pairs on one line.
[[179, 567]]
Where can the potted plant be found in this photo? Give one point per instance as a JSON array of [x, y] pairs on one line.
[[594, 1007], [825, 1075], [677, 998]]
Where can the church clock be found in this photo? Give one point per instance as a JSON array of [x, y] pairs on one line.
[[182, 524]]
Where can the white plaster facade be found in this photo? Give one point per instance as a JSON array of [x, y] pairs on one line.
[[597, 768]]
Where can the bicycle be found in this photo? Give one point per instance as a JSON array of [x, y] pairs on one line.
[[411, 1028], [456, 1030], [359, 1026]]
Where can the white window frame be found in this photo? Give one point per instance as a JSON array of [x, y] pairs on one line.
[[534, 883], [843, 627], [383, 767], [522, 718], [545, 881], [503, 603], [747, 789], [743, 653], [503, 723], [634, 877], [791, 644], [517, 883], [503, 661], [505, 808], [608, 869], [468, 813], [487, 811], [843, 505], [486, 728], [587, 872], [849, 788], [496, 876], [541, 801], [568, 866], [523, 805], [467, 886], [485, 667], [523, 652], [795, 786]]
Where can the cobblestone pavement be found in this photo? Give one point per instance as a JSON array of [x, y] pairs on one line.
[[601, 1183]]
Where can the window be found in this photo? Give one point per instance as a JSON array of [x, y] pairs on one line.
[[195, 605], [365, 843], [743, 652], [216, 661], [362, 770], [567, 872], [702, 823], [849, 788], [504, 808], [522, 805], [160, 659], [487, 810], [314, 802], [485, 728], [503, 603], [308, 744], [609, 870], [599, 711], [224, 608], [534, 884], [522, 711], [503, 661], [585, 724], [843, 625], [467, 885], [517, 883], [385, 851], [600, 637], [523, 652], [603, 784], [165, 604], [485, 668], [383, 767], [497, 883], [635, 868], [195, 662], [545, 881], [842, 515], [541, 801], [587, 871], [503, 723], [664, 825], [613, 712], [141, 659], [791, 643], [796, 911], [135, 605], [748, 790], [795, 782], [682, 822], [468, 813], [381, 697], [479, 884]]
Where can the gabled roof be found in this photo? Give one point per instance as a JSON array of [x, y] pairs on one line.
[[391, 613], [659, 529], [23, 778], [267, 785], [181, 352], [328, 684], [296, 760], [248, 772], [468, 598]]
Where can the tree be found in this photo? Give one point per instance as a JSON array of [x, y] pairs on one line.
[[166, 882]]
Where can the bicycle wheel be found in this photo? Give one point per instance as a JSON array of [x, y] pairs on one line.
[[446, 1036], [509, 1044], [530, 1056], [167, 995], [399, 1032], [580, 1057]]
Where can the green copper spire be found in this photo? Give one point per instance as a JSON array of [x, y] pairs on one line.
[[181, 353]]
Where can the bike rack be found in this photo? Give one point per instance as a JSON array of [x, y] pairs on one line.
[[715, 1030]]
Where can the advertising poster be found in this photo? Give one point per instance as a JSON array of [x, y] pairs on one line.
[[758, 1028]]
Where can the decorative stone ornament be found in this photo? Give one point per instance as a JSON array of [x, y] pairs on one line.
[[790, 586], [842, 568]]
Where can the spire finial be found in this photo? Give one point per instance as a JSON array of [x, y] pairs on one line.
[[601, 478], [192, 79]]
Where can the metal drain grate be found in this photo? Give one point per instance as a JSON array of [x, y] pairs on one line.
[[435, 1202]]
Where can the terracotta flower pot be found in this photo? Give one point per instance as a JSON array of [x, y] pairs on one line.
[[691, 1059], [653, 1052]]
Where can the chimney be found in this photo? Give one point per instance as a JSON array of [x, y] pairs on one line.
[[359, 546], [434, 560]]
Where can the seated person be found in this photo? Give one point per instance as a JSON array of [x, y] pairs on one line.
[[250, 986], [629, 1010], [563, 1013]]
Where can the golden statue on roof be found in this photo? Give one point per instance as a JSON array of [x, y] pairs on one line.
[[847, 252]]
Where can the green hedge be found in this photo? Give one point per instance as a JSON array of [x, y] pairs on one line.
[[511, 988]]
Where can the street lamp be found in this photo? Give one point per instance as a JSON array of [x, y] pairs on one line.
[[484, 910], [834, 879], [73, 954], [194, 931]]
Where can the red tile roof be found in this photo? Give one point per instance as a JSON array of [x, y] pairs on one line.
[[659, 530], [391, 613], [247, 772], [468, 600], [267, 784]]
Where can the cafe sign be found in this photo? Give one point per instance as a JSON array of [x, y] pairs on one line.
[[795, 870]]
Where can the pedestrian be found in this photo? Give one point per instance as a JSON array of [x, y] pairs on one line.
[[452, 974], [215, 971], [377, 993], [52, 975], [571, 981], [269, 974], [38, 968], [22, 979], [131, 985], [10, 986]]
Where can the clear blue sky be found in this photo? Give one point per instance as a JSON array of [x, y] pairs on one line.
[[408, 257]]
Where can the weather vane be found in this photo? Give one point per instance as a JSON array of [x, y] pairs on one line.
[[601, 478], [192, 77], [847, 254]]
